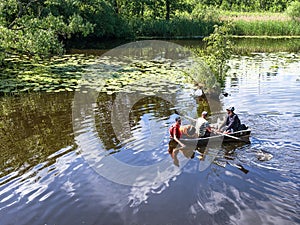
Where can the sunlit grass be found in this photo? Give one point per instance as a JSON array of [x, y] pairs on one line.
[[261, 24], [177, 27], [266, 28], [253, 16]]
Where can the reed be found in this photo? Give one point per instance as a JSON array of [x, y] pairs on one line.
[[266, 28], [177, 27]]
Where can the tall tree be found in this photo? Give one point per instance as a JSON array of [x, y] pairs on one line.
[[168, 9], [31, 27]]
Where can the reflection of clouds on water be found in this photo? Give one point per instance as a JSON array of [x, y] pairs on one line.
[[261, 217], [148, 132], [216, 203], [214, 206], [227, 204], [68, 186], [120, 172], [139, 195], [251, 80]]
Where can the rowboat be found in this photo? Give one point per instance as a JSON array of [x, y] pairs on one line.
[[238, 136]]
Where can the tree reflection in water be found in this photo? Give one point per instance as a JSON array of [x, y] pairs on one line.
[[34, 126]]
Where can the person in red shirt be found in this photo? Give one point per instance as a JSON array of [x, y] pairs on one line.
[[175, 135]]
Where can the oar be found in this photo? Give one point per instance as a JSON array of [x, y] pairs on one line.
[[239, 166], [227, 135], [233, 137]]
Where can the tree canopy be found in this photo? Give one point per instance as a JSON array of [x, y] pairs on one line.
[[41, 27]]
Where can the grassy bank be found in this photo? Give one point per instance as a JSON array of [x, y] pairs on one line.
[[253, 16], [197, 25], [261, 24], [266, 28], [176, 27], [244, 24]]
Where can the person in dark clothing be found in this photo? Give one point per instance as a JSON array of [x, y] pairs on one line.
[[232, 122]]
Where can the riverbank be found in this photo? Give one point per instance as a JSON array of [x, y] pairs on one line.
[[63, 25], [243, 24]]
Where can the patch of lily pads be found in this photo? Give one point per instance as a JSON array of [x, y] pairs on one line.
[[106, 74]]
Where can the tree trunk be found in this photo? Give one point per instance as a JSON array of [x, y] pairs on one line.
[[168, 9]]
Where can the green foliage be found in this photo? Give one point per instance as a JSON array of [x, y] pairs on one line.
[[218, 51], [152, 9], [200, 74], [206, 13], [32, 29], [293, 10], [173, 28], [41, 28], [266, 28], [98, 13], [248, 5]]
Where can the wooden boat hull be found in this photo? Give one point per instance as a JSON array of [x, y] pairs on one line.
[[239, 136]]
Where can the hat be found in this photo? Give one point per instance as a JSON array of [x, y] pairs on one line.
[[231, 108], [204, 113], [177, 118]]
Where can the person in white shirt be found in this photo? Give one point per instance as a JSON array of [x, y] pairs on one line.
[[202, 126]]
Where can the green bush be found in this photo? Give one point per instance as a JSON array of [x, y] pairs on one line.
[[173, 28], [293, 10], [206, 13], [218, 51]]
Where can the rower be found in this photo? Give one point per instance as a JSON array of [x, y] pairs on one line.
[[232, 122], [202, 126], [175, 135]]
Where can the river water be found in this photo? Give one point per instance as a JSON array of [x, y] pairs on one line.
[[55, 172]]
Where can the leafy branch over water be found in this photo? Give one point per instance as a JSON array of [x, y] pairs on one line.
[[217, 52]]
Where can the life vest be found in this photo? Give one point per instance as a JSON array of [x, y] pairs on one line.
[[172, 130]]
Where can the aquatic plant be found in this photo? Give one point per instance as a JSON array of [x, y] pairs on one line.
[[218, 51], [70, 72]]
